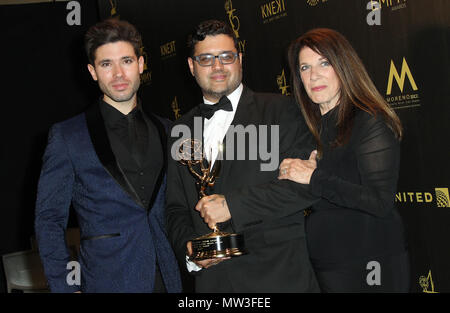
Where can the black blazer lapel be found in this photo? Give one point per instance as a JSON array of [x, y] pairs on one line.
[[196, 115], [241, 117], [102, 147], [162, 131]]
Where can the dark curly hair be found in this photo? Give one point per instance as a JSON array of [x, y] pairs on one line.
[[209, 28]]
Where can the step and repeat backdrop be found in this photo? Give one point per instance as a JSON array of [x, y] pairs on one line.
[[405, 47], [403, 43]]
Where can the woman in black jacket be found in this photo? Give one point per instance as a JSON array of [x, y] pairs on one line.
[[355, 235]]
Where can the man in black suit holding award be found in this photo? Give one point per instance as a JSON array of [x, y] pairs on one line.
[[247, 197]]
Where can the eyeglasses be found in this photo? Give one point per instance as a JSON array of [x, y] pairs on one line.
[[209, 59]]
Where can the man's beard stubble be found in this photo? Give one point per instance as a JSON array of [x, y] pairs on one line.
[[122, 98], [218, 94]]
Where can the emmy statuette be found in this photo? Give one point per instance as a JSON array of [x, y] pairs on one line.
[[216, 244]]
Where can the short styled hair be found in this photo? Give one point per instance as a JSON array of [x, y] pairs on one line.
[[209, 28], [110, 31]]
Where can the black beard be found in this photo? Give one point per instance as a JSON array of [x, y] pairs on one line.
[[217, 95]]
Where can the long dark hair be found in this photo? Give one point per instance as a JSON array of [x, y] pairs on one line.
[[357, 90]]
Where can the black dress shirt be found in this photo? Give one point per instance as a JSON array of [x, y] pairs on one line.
[[136, 143]]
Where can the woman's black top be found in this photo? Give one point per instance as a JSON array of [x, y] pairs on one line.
[[356, 217]]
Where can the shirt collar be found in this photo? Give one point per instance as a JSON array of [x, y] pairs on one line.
[[114, 117], [233, 97]]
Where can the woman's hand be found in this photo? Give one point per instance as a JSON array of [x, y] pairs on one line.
[[298, 170]]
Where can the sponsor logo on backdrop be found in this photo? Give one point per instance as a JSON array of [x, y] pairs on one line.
[[168, 50], [113, 12], [374, 16], [282, 85], [175, 108], [392, 4], [427, 283], [315, 2], [146, 76], [273, 10], [400, 98], [235, 24], [440, 197]]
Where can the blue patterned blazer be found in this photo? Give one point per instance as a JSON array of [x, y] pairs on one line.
[[120, 238]]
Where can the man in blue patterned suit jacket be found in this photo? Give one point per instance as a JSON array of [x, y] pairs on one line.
[[109, 163]]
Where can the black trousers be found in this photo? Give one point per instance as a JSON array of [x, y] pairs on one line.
[[390, 273], [159, 283]]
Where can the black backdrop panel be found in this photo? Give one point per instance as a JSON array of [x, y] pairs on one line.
[[44, 80]]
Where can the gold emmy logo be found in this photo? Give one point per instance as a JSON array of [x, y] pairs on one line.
[[400, 79], [442, 198], [281, 81], [233, 19], [145, 56], [113, 9], [312, 2], [235, 24], [175, 108], [427, 282], [146, 76], [315, 2]]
